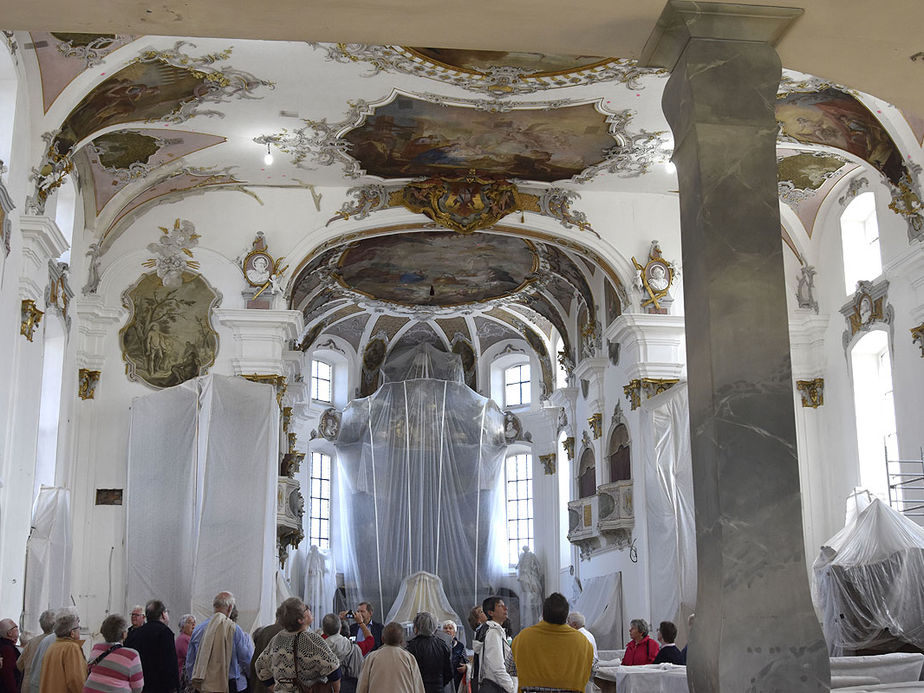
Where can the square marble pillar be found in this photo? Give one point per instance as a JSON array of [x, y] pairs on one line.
[[755, 627]]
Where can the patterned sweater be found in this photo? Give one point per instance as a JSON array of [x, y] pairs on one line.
[[316, 661], [120, 670]]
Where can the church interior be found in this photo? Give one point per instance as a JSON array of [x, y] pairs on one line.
[[287, 314]]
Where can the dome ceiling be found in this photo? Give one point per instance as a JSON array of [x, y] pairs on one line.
[[438, 268]]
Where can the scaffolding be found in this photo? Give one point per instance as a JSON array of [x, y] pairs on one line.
[[906, 487]]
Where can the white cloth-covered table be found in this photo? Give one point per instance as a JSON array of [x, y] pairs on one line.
[[648, 678], [896, 667]]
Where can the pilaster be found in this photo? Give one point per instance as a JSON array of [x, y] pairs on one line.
[[261, 338]]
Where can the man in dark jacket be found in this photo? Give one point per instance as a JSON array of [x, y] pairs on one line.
[[368, 633], [155, 644], [431, 652]]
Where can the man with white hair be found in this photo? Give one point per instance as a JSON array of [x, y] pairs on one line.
[[26, 659], [576, 621], [219, 651], [431, 652], [136, 618]]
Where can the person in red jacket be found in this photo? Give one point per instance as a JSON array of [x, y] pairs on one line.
[[642, 649]]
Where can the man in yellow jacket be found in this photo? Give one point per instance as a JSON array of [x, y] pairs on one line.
[[551, 654]]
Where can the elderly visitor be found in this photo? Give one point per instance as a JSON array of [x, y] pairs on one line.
[[669, 652], [641, 649], [391, 668], [296, 658], [64, 668], [113, 667], [10, 675], [186, 625], [458, 659], [26, 659], [348, 652], [431, 652]]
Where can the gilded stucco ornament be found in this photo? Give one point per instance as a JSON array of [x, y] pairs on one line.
[[90, 52], [58, 293], [906, 201], [917, 337], [87, 381], [654, 278], [262, 271], [867, 308], [464, 203], [596, 425], [497, 81], [548, 463], [856, 185], [30, 317], [812, 392], [568, 445], [647, 386]]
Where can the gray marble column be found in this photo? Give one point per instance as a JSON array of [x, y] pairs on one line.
[[755, 628]]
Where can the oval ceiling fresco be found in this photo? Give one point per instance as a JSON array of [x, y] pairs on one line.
[[438, 268]]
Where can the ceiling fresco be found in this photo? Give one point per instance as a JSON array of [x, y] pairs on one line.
[[411, 137], [806, 178], [837, 119], [438, 268], [531, 64], [117, 158], [62, 56]]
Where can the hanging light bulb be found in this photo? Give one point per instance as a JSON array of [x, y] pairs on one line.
[[268, 158]]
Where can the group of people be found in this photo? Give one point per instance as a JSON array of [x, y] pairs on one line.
[[349, 653]]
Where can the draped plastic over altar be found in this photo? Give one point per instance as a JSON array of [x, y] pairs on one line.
[[420, 483]]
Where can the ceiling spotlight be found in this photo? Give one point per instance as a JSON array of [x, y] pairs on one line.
[[268, 157]]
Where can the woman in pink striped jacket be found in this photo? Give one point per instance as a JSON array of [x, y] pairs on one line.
[[112, 667]]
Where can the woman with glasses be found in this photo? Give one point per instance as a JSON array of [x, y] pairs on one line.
[[64, 668]]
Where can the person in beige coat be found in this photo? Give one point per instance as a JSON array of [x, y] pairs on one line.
[[391, 668], [64, 668], [24, 663]]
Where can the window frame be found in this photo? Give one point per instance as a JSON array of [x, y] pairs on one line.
[[316, 473], [316, 379], [520, 484], [519, 384]]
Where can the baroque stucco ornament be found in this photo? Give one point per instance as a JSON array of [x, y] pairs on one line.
[[867, 308], [497, 81], [464, 204], [173, 252]]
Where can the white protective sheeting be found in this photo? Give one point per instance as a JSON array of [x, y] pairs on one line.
[[202, 467], [420, 481], [48, 557], [422, 591], [665, 445], [601, 603], [869, 581], [894, 667], [646, 678]]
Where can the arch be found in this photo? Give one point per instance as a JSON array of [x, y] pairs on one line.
[[587, 474], [618, 454]]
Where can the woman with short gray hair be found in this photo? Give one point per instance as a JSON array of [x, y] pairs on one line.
[[431, 652], [64, 668], [641, 649]]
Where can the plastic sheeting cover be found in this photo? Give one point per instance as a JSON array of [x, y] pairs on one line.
[[421, 484], [202, 466], [869, 581], [421, 592], [665, 444], [601, 603], [48, 557]]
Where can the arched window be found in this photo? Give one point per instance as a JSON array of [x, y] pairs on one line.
[[618, 454], [519, 497], [517, 385], [319, 500], [587, 474], [860, 241], [877, 439]]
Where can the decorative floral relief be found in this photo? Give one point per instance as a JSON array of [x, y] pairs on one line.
[[172, 252]]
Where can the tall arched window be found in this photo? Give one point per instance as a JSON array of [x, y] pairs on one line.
[[519, 498], [517, 384], [618, 454], [319, 500], [860, 241], [877, 439], [587, 474]]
